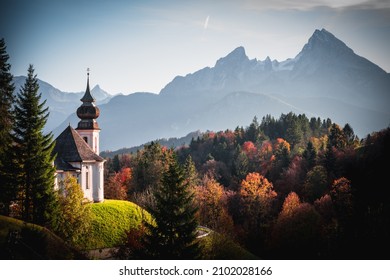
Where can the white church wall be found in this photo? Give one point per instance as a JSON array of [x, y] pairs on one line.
[[98, 187], [86, 180], [91, 137], [61, 175]]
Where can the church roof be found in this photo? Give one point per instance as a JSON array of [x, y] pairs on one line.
[[64, 166], [70, 147]]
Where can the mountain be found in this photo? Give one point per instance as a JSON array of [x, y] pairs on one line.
[[61, 104], [170, 143], [326, 79]]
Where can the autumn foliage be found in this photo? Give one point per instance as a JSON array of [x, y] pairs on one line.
[[291, 187]]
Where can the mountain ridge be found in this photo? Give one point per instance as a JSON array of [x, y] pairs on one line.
[[324, 75], [61, 104]]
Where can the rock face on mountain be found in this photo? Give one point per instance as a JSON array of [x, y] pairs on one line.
[[326, 79]]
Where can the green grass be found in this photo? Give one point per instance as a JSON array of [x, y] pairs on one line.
[[33, 242], [218, 247], [111, 220]]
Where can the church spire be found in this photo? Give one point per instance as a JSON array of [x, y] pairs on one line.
[[88, 112], [87, 96]]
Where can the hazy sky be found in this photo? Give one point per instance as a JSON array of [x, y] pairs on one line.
[[142, 45]]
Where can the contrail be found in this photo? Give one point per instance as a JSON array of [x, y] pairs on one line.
[[206, 22]]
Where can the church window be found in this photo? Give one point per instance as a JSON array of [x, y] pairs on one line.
[[85, 139]]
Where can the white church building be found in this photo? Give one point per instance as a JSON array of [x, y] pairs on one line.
[[77, 151]]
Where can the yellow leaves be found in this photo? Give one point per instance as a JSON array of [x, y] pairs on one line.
[[257, 187], [281, 144], [291, 203], [257, 195]]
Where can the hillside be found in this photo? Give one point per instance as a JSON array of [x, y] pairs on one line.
[[24, 241], [286, 188], [169, 143], [111, 220]]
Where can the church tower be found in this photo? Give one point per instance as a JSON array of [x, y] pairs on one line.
[[88, 127], [77, 152]]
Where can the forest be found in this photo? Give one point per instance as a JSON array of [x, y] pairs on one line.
[[286, 188], [281, 188]]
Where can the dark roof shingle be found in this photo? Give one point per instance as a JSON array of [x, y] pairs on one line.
[[70, 147]]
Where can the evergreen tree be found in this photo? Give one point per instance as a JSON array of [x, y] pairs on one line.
[[336, 137], [253, 131], [349, 134], [33, 151], [191, 174], [7, 190], [310, 155], [115, 163], [173, 235], [6, 99]]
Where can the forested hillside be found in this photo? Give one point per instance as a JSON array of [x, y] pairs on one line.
[[290, 187]]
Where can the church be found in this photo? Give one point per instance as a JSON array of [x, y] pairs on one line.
[[77, 151]]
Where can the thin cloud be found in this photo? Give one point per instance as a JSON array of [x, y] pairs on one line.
[[263, 5], [206, 22]]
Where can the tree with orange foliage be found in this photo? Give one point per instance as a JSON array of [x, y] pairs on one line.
[[211, 200], [282, 152], [249, 149], [297, 231], [341, 193], [117, 185], [291, 202], [257, 195]]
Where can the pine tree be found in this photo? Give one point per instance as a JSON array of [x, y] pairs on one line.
[[7, 191], [6, 98], [191, 174], [173, 235], [33, 153], [310, 155]]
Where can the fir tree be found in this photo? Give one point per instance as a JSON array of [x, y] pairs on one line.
[[7, 190], [6, 99], [310, 155], [191, 174], [173, 235], [33, 154]]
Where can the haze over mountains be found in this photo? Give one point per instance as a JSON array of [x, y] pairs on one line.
[[61, 104], [326, 79]]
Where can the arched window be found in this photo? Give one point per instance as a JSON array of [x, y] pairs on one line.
[[85, 139]]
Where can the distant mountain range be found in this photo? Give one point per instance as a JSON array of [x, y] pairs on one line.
[[61, 104], [326, 79]]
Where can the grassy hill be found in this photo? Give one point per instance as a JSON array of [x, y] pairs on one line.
[[24, 241], [218, 247], [111, 220]]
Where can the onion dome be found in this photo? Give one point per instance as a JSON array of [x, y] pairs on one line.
[[88, 111]]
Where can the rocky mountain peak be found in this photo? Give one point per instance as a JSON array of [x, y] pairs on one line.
[[236, 57]]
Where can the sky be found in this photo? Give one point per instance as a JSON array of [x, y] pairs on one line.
[[141, 45]]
